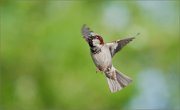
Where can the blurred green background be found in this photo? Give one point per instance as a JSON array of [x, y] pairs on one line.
[[46, 65]]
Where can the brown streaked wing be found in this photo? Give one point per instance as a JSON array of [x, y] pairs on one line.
[[118, 45], [85, 31]]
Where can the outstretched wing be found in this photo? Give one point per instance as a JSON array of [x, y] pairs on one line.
[[116, 46], [86, 32]]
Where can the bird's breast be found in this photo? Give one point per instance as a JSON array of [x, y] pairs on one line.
[[102, 59]]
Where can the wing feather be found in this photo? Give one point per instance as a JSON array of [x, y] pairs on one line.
[[118, 45], [85, 31]]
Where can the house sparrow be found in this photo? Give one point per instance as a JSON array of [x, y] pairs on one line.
[[102, 54]]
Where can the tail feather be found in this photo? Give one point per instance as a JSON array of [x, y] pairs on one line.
[[113, 85], [119, 82], [123, 79]]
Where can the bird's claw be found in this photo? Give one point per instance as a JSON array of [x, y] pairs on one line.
[[97, 70]]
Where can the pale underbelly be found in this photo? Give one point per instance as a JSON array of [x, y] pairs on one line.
[[102, 60]]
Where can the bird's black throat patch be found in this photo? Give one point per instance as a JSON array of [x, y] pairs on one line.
[[95, 50]]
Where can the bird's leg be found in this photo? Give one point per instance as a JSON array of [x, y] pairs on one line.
[[111, 73], [99, 69]]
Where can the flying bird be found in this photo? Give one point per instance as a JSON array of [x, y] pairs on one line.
[[102, 54]]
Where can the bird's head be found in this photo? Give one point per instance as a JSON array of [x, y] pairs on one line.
[[95, 40]]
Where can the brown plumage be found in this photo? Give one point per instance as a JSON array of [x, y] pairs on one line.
[[102, 54]]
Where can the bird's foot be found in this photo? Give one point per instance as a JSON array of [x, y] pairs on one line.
[[99, 69]]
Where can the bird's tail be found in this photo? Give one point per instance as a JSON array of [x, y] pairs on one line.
[[117, 80]]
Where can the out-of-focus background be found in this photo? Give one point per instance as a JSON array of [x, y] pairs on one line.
[[46, 65]]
